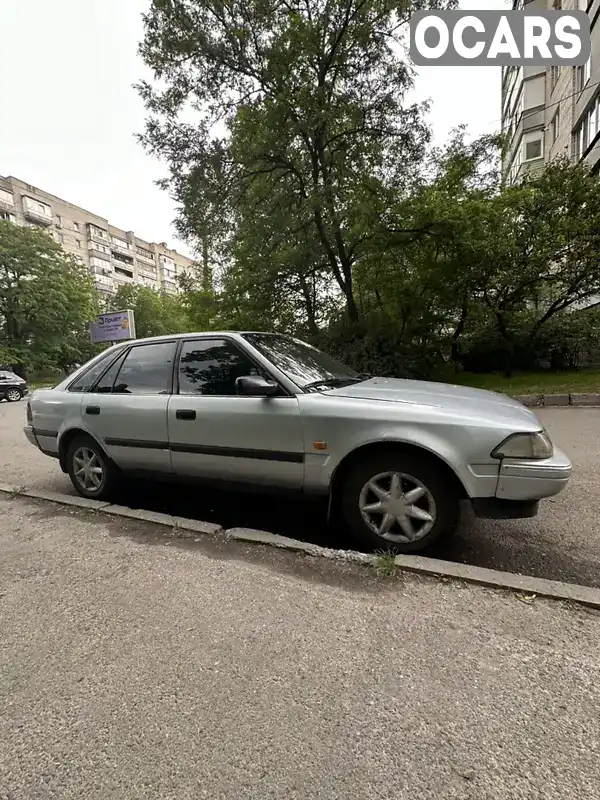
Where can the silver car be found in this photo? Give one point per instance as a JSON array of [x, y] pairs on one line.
[[395, 457]]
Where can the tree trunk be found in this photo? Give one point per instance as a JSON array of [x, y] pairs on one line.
[[351, 307], [459, 330], [206, 282]]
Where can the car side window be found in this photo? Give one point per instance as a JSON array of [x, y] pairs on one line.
[[146, 370], [211, 366], [106, 382], [85, 382]]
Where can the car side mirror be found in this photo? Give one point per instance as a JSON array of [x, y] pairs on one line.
[[255, 386]]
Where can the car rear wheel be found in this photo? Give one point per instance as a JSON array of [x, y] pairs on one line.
[[13, 395], [91, 472], [400, 502]]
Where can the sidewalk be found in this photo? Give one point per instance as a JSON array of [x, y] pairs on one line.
[[134, 666]]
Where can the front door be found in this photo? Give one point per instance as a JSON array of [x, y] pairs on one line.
[[215, 433], [127, 410]]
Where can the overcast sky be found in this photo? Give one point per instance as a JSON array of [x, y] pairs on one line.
[[69, 112]]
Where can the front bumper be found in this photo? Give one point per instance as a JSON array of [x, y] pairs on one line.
[[522, 484], [533, 480]]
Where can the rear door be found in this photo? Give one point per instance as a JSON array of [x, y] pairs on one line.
[[127, 410], [215, 433]]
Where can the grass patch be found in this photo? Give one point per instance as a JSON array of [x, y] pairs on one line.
[[42, 384], [385, 565], [584, 382]]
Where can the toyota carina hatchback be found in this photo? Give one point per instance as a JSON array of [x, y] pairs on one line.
[[395, 457]]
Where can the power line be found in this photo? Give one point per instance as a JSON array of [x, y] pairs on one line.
[[528, 113]]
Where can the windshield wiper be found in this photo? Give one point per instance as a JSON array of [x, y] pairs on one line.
[[337, 382]]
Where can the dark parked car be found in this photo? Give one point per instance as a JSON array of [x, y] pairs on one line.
[[12, 388]]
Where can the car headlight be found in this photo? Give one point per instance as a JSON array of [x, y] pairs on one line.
[[525, 445]]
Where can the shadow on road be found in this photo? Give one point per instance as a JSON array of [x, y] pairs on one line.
[[296, 517], [506, 546]]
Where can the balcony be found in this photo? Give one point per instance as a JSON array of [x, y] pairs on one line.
[[97, 234], [123, 259], [151, 283], [169, 286], [6, 204], [36, 214], [123, 275], [147, 259], [94, 251], [116, 247]]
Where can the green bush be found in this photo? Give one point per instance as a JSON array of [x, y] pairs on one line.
[[380, 349], [569, 340]]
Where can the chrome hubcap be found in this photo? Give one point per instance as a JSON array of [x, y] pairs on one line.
[[88, 469], [397, 507], [13, 394]]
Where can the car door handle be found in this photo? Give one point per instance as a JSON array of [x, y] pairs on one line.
[[185, 413], [94, 410]]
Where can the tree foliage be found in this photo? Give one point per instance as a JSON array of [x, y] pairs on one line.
[[304, 172], [47, 299], [156, 313], [311, 95]]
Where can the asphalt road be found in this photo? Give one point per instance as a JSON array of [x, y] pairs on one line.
[[135, 667], [561, 543]]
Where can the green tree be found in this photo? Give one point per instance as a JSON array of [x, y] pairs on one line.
[[47, 299], [311, 95], [156, 313]]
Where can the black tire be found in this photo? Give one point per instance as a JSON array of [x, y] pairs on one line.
[[109, 472], [417, 467], [16, 393]]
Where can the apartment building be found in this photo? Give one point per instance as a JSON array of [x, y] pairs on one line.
[[113, 256], [549, 112]]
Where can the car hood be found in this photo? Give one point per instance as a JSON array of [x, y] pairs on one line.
[[464, 400]]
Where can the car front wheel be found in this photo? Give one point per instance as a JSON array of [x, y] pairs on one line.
[[399, 502], [91, 472], [14, 395]]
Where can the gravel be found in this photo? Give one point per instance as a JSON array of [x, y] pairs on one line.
[[135, 666]]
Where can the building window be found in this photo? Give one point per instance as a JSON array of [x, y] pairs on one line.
[[582, 75], [78, 243], [588, 129], [557, 5], [556, 125], [75, 226], [554, 76], [578, 143], [534, 149]]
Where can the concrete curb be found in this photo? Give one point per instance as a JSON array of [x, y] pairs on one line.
[[432, 567], [557, 400]]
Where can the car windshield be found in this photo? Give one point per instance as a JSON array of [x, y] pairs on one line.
[[301, 362]]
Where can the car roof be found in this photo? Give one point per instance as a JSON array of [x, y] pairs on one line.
[[170, 336]]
